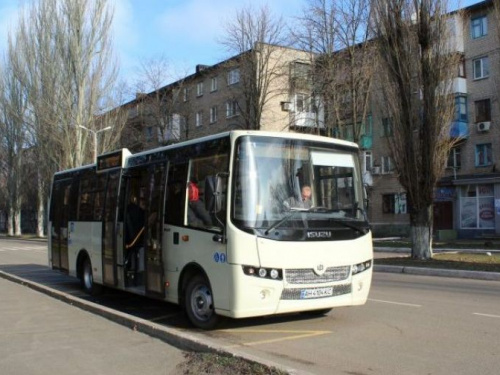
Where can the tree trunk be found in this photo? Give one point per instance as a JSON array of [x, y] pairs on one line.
[[40, 223], [17, 223], [421, 234], [10, 221], [40, 219]]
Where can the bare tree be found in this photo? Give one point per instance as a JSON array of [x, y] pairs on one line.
[[257, 36], [338, 35], [61, 55], [418, 65], [357, 60], [158, 105], [13, 136]]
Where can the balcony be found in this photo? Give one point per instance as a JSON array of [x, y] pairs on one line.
[[308, 119], [459, 129], [459, 85]]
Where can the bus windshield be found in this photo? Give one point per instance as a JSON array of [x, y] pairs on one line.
[[279, 182]]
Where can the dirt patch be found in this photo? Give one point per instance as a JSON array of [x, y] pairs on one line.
[[212, 363]]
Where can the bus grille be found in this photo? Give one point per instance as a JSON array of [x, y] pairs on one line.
[[296, 294], [307, 276]]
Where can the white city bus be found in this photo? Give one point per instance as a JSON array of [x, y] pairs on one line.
[[218, 225]]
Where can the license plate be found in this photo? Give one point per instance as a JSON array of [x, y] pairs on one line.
[[316, 292]]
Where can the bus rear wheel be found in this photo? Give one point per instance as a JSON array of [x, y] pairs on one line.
[[199, 303], [87, 279]]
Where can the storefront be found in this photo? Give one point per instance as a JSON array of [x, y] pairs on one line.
[[478, 208], [470, 207]]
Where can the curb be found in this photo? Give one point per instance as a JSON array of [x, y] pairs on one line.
[[476, 275], [175, 337]]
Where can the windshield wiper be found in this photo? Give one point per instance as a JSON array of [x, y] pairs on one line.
[[287, 217], [347, 224]]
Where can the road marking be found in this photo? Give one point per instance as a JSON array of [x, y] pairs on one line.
[[487, 315], [394, 303], [298, 335]]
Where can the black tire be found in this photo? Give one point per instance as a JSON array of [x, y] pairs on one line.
[[199, 303], [87, 279]]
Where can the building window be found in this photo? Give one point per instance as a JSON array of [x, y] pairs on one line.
[[302, 103], [479, 27], [394, 203], [233, 76], [481, 68], [483, 110], [231, 108], [213, 114], [483, 155], [199, 89], [387, 127], [387, 164], [367, 161], [477, 210], [461, 68], [149, 134], [199, 118], [348, 132], [185, 94], [454, 159], [214, 84], [461, 108]]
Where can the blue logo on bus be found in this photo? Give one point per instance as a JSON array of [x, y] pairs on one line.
[[220, 258]]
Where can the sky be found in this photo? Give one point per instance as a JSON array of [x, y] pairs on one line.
[[183, 32]]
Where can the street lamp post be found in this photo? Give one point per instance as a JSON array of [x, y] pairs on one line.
[[94, 133]]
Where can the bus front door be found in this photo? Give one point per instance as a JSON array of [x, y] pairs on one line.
[[153, 253]]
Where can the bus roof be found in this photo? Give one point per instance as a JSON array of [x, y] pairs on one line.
[[239, 133], [232, 134]]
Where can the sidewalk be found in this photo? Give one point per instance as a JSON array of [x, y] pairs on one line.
[[42, 336], [120, 347]]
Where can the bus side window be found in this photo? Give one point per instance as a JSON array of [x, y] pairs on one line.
[[207, 210], [99, 197], [85, 199], [176, 194]]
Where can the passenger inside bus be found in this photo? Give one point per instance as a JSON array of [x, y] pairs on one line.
[[134, 233], [198, 215]]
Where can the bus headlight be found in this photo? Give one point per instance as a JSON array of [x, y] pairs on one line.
[[274, 274], [263, 273], [360, 267]]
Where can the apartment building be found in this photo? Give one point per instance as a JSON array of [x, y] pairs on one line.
[[467, 198], [254, 90]]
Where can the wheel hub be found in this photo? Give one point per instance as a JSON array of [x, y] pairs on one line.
[[202, 303]]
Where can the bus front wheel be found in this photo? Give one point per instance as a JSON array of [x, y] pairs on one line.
[[199, 303], [87, 279]]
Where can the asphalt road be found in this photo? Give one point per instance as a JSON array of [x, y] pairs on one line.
[[410, 325]]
